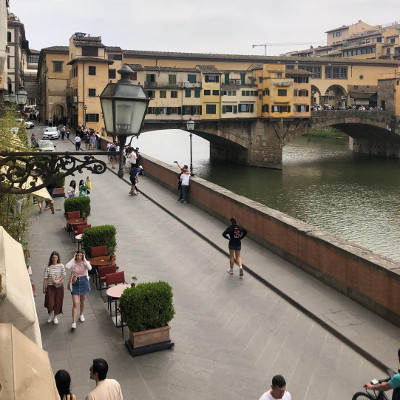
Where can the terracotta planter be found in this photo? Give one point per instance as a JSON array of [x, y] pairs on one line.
[[149, 341]]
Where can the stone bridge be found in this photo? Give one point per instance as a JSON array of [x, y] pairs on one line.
[[259, 141]]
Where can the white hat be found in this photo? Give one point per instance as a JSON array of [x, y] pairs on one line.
[[140, 167]]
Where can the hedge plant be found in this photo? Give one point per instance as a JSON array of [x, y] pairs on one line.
[[147, 306], [59, 180], [81, 204], [99, 236]]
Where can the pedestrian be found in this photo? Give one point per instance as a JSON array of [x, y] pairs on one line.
[[185, 178], [63, 383], [278, 390], [88, 184], [79, 283], [77, 142], [113, 149], [83, 189], [92, 139], [63, 133], [53, 287], [33, 140], [134, 178], [71, 191], [106, 389], [234, 233], [67, 133], [179, 180]]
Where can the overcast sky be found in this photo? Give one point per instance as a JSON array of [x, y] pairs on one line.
[[204, 26]]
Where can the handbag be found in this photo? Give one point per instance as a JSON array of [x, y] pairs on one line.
[[72, 280], [56, 285]]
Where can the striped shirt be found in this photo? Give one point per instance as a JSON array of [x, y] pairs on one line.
[[56, 272]]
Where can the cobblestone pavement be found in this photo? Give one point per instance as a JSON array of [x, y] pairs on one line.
[[231, 335]]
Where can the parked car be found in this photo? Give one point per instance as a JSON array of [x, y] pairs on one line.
[[29, 125], [46, 145], [51, 133]]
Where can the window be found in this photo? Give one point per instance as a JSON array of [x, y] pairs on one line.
[[197, 93], [280, 109], [379, 39], [92, 92], [300, 79], [265, 108], [134, 76], [246, 108], [266, 92], [9, 62], [215, 92], [279, 75], [388, 50], [226, 78], [211, 109], [150, 94], [115, 56], [316, 71], [191, 110], [260, 79], [92, 117], [301, 108], [173, 110], [58, 66], [172, 79], [9, 38], [161, 110], [335, 72], [243, 78], [192, 78], [174, 94], [92, 70], [211, 78], [32, 58], [112, 74], [163, 94], [303, 93], [90, 51], [150, 78], [282, 92], [290, 66], [188, 93], [207, 92], [392, 40], [227, 109]]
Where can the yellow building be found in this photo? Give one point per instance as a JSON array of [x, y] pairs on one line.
[[389, 92]]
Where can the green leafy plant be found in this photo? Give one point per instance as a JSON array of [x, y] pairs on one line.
[[99, 236], [81, 204], [147, 306], [59, 180]]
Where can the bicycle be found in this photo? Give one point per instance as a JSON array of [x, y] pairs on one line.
[[371, 394]]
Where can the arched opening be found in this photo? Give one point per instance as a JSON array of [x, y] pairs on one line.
[[335, 96], [316, 98], [9, 85]]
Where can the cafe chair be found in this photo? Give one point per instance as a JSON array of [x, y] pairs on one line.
[[71, 215], [78, 233], [74, 228], [102, 271], [96, 251]]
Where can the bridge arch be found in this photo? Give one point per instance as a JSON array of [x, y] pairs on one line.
[[316, 96], [335, 95]]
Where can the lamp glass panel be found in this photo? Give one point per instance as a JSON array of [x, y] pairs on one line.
[[22, 97], [129, 116], [108, 115]]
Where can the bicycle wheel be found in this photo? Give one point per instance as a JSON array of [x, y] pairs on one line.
[[363, 396]]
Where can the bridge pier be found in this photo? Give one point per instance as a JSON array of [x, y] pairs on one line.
[[385, 149]]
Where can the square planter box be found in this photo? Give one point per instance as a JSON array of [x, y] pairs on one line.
[[149, 341]]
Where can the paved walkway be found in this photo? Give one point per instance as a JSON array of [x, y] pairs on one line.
[[231, 335]]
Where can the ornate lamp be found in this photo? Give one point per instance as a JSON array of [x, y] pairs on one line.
[[190, 127], [124, 106], [22, 96]]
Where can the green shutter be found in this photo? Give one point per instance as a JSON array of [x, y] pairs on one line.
[[227, 78], [243, 78], [223, 109], [235, 109], [183, 110], [197, 93], [251, 108]]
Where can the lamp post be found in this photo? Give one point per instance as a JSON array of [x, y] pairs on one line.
[[84, 115], [124, 107], [21, 96], [190, 127]]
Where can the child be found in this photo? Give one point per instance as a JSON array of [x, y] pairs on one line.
[[89, 183]]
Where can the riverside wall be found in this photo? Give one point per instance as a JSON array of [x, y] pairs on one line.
[[371, 280]]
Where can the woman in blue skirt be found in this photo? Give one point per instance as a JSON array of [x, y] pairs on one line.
[[79, 282]]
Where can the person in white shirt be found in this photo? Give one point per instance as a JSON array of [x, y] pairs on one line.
[[185, 178], [278, 390], [106, 389]]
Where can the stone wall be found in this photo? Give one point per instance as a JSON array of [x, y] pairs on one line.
[[367, 278]]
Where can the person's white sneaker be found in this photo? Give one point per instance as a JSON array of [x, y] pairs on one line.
[[49, 318], [229, 271], [55, 320], [81, 318], [73, 326], [240, 271]]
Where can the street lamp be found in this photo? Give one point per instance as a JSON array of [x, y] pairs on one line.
[[124, 107], [84, 115], [21, 96], [190, 127]]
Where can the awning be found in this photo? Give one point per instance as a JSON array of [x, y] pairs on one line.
[[17, 305], [25, 370]]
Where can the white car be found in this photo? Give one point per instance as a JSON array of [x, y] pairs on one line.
[[29, 125], [51, 133], [46, 145]]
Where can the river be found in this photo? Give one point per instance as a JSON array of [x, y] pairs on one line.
[[322, 182]]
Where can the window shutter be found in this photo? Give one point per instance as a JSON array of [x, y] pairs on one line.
[[235, 109], [223, 109], [191, 110], [243, 78], [227, 78], [251, 108]]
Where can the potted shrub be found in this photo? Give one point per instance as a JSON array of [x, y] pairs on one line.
[[59, 182], [147, 309], [77, 203], [98, 236]]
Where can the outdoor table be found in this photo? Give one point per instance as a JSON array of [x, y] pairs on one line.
[[78, 238], [114, 293], [101, 260]]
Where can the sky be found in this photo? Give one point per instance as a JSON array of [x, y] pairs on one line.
[[197, 26]]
